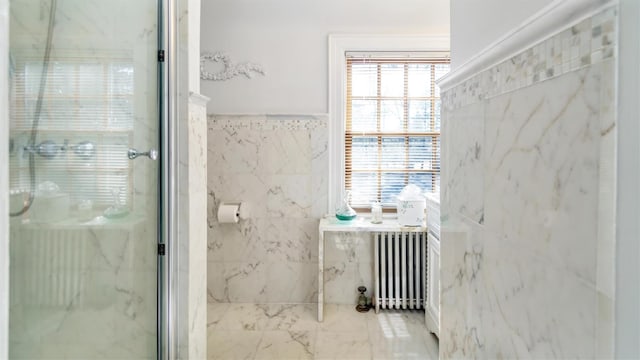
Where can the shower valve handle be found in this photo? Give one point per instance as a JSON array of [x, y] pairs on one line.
[[151, 154]]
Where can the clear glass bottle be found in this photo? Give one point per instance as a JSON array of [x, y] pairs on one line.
[[376, 213], [345, 212]]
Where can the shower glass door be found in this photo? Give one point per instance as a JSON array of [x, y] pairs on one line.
[[84, 204]]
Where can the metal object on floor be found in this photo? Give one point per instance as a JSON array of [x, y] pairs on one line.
[[362, 300]]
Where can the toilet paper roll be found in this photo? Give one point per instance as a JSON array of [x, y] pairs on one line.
[[228, 213]]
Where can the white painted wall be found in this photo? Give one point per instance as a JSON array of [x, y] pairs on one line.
[[476, 24], [627, 306], [289, 39], [4, 180]]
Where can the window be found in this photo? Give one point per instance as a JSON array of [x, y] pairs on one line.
[[385, 116], [392, 126], [87, 109]]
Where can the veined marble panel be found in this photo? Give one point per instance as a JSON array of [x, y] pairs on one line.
[[319, 171], [196, 274], [464, 147], [237, 281], [533, 277], [499, 299], [237, 242], [278, 165], [291, 282], [289, 196], [291, 239], [541, 173]]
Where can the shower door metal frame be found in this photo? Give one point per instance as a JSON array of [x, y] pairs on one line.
[[168, 170]]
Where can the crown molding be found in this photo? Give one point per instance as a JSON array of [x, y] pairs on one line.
[[556, 16]]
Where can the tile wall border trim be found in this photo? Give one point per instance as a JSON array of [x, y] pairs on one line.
[[266, 122], [553, 18]]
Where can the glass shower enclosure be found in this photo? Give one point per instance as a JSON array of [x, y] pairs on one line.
[[84, 170]]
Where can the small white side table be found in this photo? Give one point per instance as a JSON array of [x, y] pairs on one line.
[[331, 224]]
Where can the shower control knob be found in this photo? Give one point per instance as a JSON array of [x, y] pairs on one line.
[[151, 154]]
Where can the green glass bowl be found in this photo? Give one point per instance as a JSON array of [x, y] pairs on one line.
[[345, 217]]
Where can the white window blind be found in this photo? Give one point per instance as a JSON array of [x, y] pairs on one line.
[[392, 129], [86, 100]]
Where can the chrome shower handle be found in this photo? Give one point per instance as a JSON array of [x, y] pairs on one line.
[[151, 154]]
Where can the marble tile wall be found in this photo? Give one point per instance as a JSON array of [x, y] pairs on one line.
[[192, 238], [528, 203], [4, 182], [278, 165]]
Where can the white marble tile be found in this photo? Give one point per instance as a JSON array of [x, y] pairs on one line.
[[542, 169], [340, 284], [364, 277], [289, 196], [237, 242], [237, 281], [401, 335], [278, 345], [605, 278], [348, 247], [240, 316], [319, 172], [291, 239], [516, 302], [284, 151], [291, 332], [465, 151], [344, 345], [319, 194], [282, 174], [291, 282], [233, 150], [343, 318], [215, 313], [319, 142], [292, 317], [607, 182], [233, 344], [228, 187], [458, 266]]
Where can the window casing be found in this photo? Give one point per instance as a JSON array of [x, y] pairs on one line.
[[424, 46], [392, 126]]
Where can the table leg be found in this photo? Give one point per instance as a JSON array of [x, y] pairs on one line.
[[320, 275]]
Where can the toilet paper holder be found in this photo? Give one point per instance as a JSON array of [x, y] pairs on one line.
[[239, 211]]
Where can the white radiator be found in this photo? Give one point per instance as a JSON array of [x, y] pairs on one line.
[[48, 267], [400, 263]]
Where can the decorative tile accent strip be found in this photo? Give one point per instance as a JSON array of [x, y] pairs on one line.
[[588, 42], [268, 122]]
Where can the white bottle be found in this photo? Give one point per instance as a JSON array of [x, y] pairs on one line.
[[376, 213]]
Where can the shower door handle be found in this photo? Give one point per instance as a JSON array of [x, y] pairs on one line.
[[151, 154]]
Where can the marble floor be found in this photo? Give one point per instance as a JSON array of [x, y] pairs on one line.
[[273, 331]]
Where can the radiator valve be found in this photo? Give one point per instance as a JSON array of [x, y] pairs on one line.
[[363, 305]]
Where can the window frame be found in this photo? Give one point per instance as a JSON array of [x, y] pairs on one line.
[[339, 46]]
